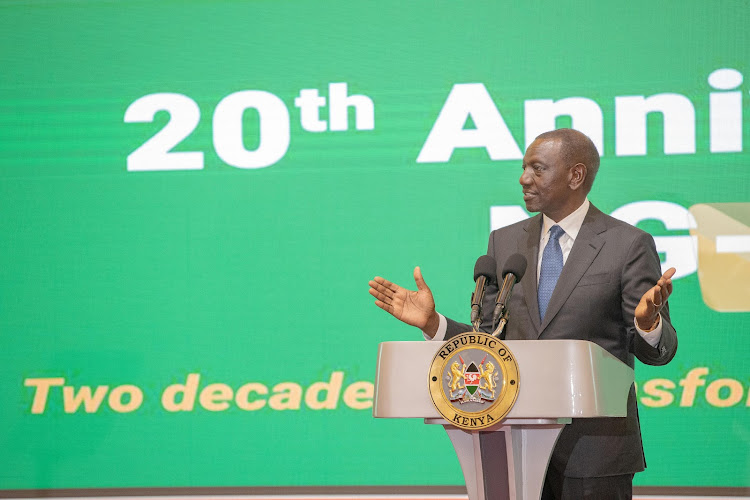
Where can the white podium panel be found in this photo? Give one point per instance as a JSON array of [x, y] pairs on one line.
[[558, 378]]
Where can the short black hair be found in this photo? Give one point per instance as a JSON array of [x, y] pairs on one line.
[[576, 147]]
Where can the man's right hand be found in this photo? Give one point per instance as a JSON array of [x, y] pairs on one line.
[[415, 308]]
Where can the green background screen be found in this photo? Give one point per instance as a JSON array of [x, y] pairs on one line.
[[194, 195]]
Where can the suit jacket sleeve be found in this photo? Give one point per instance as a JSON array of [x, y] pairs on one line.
[[640, 273]]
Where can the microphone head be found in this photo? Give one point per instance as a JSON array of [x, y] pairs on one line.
[[515, 264], [486, 266]]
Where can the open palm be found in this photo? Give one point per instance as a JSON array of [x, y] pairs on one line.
[[413, 307]]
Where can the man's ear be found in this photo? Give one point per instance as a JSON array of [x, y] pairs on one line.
[[578, 175]]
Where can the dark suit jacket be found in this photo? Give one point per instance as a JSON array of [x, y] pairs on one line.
[[611, 265]]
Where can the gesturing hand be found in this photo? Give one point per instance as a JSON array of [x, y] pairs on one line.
[[415, 308], [652, 302]]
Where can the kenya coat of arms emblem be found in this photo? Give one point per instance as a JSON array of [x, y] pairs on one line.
[[474, 380]]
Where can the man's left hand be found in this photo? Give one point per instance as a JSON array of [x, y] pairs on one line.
[[652, 302]]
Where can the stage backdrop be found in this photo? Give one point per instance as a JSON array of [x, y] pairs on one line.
[[194, 195]]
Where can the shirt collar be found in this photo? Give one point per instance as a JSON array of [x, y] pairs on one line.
[[570, 224]]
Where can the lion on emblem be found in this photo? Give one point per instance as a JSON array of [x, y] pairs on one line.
[[457, 374], [488, 376]]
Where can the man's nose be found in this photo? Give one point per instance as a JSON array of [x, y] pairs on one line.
[[525, 178]]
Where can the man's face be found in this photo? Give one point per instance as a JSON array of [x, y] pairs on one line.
[[546, 180]]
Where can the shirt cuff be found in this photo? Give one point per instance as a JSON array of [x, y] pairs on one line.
[[652, 337], [442, 328]]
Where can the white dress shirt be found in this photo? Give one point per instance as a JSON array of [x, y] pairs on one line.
[[571, 225]]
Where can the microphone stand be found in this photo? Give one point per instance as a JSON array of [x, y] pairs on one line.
[[501, 324], [476, 324]]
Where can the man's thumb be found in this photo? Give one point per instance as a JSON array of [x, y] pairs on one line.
[[419, 280]]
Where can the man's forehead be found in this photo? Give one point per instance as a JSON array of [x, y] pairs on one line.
[[542, 147]]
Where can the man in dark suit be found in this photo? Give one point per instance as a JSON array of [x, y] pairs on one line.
[[589, 277]]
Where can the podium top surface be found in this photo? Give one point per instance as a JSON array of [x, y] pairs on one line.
[[558, 378]]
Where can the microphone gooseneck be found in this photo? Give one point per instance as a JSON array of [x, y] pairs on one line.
[[485, 273], [513, 271]]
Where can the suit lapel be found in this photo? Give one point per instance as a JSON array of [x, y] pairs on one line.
[[585, 249], [531, 252]]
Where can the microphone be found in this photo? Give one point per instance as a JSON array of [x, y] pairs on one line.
[[485, 272], [515, 267]]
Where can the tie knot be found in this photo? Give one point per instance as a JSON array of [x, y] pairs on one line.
[[555, 232]]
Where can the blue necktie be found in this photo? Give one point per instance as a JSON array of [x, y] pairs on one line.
[[552, 264]]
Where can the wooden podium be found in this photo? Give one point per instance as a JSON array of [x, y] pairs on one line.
[[558, 380]]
